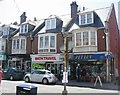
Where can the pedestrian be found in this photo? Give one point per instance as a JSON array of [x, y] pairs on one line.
[[78, 72], [1, 75]]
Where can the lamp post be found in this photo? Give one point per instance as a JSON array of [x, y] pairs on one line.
[[65, 74], [107, 51]]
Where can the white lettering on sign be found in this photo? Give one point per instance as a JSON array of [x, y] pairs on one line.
[[45, 58]]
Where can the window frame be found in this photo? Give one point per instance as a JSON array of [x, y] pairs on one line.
[[16, 46], [89, 39], [24, 28], [50, 23], [6, 31], [86, 19], [49, 48]]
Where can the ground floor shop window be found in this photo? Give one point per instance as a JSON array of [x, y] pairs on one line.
[[87, 71]]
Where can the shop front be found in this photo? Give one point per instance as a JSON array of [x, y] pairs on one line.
[[85, 67], [21, 61], [3, 61], [52, 62]]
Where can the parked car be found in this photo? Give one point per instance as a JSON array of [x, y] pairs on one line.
[[43, 76], [13, 74]]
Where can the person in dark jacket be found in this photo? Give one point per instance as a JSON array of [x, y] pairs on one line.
[[78, 71]]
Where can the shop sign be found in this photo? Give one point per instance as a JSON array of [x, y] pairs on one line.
[[45, 57], [2, 57], [89, 57]]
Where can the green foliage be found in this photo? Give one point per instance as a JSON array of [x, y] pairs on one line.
[[38, 66]]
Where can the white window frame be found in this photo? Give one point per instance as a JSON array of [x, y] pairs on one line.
[[89, 38], [22, 44], [24, 28], [86, 18], [44, 48], [6, 31], [50, 23], [14, 45]]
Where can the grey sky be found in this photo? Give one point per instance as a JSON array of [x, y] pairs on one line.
[[10, 10]]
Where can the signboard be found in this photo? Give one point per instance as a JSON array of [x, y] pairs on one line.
[[89, 57], [49, 57]]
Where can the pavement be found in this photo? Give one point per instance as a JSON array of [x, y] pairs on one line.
[[105, 86]]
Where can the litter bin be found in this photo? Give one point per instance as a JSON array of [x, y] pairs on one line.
[[24, 89]]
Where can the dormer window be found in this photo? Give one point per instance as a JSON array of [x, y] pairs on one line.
[[24, 28], [6, 31], [86, 18], [50, 23]]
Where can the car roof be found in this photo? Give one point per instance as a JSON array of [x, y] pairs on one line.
[[42, 70]]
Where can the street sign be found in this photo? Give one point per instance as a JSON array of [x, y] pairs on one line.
[[65, 77]]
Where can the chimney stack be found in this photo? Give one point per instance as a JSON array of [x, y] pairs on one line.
[[23, 17], [74, 7]]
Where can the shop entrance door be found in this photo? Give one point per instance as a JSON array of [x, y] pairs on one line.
[[54, 68]]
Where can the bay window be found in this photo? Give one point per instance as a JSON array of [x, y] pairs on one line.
[[86, 38], [47, 43]]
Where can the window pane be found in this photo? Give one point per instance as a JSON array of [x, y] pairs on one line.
[[22, 28], [41, 42], [46, 41], [89, 18], [82, 19], [53, 25], [22, 43], [85, 38], [93, 39], [47, 24], [14, 44], [17, 43], [52, 41], [25, 27], [78, 39]]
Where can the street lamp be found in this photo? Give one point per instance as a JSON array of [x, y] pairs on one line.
[[107, 51], [65, 73]]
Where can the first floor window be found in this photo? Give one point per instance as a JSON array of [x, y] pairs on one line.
[[86, 38], [14, 44], [41, 42], [93, 39], [52, 41], [47, 43], [22, 43], [78, 39], [17, 43]]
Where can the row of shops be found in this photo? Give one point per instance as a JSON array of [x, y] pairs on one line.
[[90, 65]]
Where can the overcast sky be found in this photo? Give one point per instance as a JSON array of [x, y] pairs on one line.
[[10, 10]]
